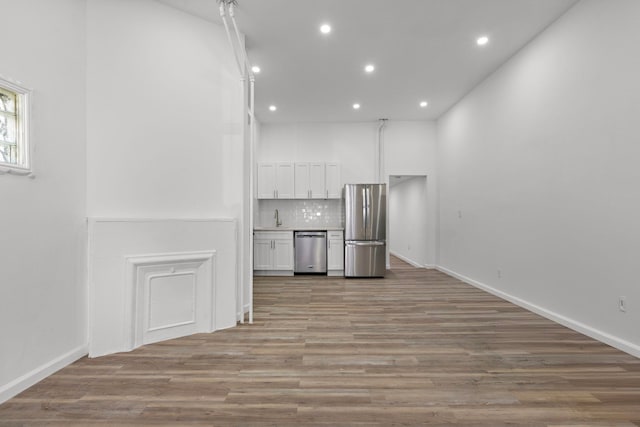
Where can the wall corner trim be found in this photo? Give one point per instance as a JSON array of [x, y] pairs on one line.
[[612, 340], [17, 386]]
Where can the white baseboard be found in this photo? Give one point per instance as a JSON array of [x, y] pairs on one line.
[[245, 310], [612, 340], [22, 383], [273, 273], [407, 260]]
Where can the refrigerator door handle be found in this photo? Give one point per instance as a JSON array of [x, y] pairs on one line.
[[364, 210], [367, 243], [368, 205]]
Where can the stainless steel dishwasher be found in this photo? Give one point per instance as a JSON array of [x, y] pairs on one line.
[[310, 252]]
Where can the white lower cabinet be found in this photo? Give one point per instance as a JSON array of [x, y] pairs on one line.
[[273, 251], [335, 250]]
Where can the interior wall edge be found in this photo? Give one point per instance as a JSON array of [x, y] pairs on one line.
[[590, 331]]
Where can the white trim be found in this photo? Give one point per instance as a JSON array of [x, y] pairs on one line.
[[194, 308], [407, 260], [246, 307], [612, 340], [24, 114], [135, 262], [273, 273], [335, 273], [36, 375], [159, 219]]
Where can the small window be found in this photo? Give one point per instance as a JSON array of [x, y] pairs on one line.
[[15, 154]]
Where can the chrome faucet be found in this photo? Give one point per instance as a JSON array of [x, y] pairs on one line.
[[277, 217]]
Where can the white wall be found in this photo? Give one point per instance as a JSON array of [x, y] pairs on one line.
[[164, 110], [408, 225], [42, 226], [538, 171], [409, 149], [164, 118]]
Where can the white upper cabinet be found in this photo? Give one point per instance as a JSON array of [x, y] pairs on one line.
[[275, 181], [316, 181], [333, 181], [308, 180], [302, 180], [266, 181], [284, 181]]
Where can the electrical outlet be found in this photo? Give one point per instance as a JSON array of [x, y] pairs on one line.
[[408, 247], [460, 214], [499, 274], [622, 304]]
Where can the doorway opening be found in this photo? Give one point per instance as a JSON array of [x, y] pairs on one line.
[[408, 219]]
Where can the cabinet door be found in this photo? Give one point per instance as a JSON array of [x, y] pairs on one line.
[[333, 181], [283, 254], [335, 254], [266, 181], [316, 181], [262, 251], [302, 181], [284, 181]]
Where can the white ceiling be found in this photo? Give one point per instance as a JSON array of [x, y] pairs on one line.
[[422, 50]]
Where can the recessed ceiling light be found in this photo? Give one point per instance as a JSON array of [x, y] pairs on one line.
[[272, 108], [481, 41], [325, 28], [255, 69], [356, 106], [423, 104], [369, 68]]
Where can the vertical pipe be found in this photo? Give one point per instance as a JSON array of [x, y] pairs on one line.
[[223, 15], [252, 135], [243, 52], [380, 162], [243, 61]]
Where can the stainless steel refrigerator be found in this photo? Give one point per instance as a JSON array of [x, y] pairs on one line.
[[365, 230]]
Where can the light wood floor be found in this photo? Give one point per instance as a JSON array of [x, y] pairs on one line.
[[415, 348]]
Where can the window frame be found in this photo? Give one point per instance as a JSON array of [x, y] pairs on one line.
[[24, 144]]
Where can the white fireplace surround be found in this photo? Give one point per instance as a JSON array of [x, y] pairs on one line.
[[179, 307], [156, 279]]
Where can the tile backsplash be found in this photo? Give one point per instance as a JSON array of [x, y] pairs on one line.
[[301, 213]]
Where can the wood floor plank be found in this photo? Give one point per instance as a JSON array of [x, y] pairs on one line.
[[416, 348]]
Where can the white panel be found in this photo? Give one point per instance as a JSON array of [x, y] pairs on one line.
[[171, 300], [181, 302], [335, 253], [155, 247]]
